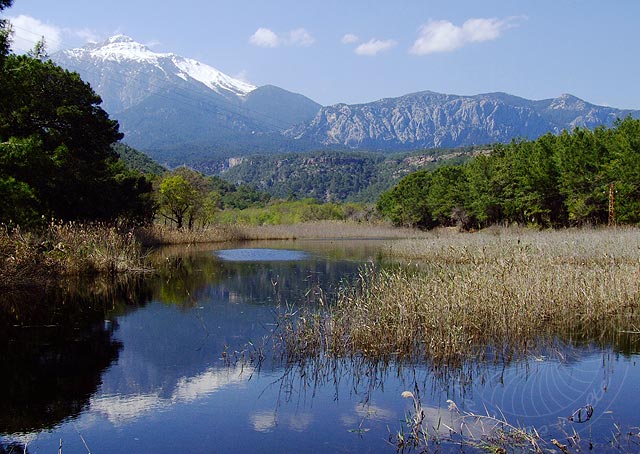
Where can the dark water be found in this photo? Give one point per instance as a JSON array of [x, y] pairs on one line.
[[183, 362]]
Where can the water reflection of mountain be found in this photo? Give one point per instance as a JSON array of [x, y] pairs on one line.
[[55, 346], [203, 308]]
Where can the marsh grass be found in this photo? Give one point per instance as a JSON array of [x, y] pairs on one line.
[[216, 233], [66, 249], [329, 230], [478, 297], [157, 234]]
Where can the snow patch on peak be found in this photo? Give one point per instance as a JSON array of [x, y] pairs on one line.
[[127, 50], [211, 77], [118, 48], [123, 49]]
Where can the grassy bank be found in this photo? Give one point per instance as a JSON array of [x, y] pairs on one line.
[[295, 212], [72, 249], [37, 258], [497, 293], [158, 235], [329, 229]]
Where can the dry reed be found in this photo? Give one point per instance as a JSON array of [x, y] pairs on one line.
[[463, 297], [66, 249], [159, 235], [328, 230]]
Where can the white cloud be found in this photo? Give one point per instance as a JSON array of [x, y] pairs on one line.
[[85, 34], [300, 37], [27, 31], [153, 43], [350, 38], [374, 47], [443, 36], [264, 37]]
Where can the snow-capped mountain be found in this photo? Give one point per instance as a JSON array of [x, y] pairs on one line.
[[167, 102], [180, 110], [117, 64]]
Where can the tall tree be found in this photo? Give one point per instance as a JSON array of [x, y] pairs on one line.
[[447, 195], [57, 142], [580, 157], [5, 31], [407, 203], [177, 197], [623, 170]]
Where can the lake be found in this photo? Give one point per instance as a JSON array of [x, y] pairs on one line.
[[184, 361]]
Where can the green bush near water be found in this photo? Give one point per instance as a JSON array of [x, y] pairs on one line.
[[293, 212]]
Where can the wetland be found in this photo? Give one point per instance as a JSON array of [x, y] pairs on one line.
[[283, 346]]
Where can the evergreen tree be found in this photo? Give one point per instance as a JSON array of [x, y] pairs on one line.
[[56, 148]]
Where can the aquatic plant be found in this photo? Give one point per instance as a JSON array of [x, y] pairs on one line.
[[158, 234], [480, 297], [66, 249]]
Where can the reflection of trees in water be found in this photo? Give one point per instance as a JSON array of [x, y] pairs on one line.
[[55, 346], [184, 280], [13, 447]]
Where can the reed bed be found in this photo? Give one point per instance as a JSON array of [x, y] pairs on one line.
[[329, 230], [66, 249], [157, 234], [468, 297]]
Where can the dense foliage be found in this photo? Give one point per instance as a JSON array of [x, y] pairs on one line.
[[189, 198], [575, 178], [296, 211], [336, 176], [56, 156], [137, 160]]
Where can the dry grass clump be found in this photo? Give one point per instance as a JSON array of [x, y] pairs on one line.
[[329, 229], [158, 235], [480, 296], [64, 249]]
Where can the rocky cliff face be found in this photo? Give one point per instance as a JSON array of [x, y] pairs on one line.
[[428, 119]]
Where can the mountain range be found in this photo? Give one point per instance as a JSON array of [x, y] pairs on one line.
[[171, 106], [181, 111]]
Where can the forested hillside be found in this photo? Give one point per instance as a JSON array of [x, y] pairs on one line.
[[582, 177], [137, 160], [336, 176]]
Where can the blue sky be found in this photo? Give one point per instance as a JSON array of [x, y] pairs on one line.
[[359, 51]]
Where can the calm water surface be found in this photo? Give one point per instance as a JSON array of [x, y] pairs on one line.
[[183, 362]]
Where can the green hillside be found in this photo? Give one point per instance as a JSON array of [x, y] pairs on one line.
[[335, 176], [137, 160]]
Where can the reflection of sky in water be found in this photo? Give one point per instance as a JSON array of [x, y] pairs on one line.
[[268, 420], [123, 409], [260, 255], [169, 390]]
